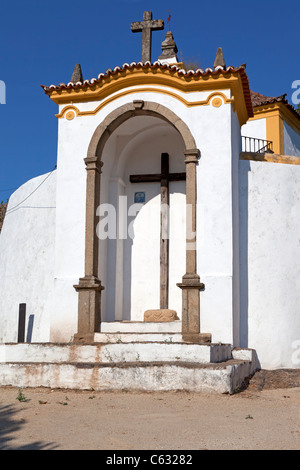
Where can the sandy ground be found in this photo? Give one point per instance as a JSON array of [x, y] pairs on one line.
[[263, 416]]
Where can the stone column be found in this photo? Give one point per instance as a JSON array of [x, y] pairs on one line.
[[191, 284], [89, 287]]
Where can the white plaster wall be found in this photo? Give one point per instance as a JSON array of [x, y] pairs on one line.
[[270, 262], [256, 129], [145, 249], [291, 141], [73, 140], [215, 220], [27, 259]]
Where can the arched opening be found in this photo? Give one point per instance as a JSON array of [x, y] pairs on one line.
[[137, 108], [129, 229]]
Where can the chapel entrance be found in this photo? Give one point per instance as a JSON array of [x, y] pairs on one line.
[[142, 219], [128, 143]]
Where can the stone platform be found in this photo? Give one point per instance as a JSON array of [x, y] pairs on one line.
[[125, 357]]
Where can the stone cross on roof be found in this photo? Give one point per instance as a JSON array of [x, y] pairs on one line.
[[146, 27]]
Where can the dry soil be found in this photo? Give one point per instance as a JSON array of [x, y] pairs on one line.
[[264, 416]]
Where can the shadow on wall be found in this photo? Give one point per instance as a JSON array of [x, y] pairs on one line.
[[244, 168], [29, 329]]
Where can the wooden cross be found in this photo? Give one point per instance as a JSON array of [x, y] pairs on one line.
[[146, 27], [163, 178]]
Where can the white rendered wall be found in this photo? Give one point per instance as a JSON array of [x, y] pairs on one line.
[[291, 141], [144, 245], [26, 259], [73, 140], [218, 139], [270, 261], [255, 128]]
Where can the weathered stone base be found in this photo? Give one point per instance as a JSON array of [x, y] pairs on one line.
[[197, 338], [115, 366], [87, 338], [160, 315], [141, 327], [115, 351], [217, 378], [155, 331], [191, 287], [89, 301]]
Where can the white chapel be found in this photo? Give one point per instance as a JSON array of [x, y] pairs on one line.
[[171, 223]]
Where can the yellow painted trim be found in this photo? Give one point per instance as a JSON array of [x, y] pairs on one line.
[[66, 109], [270, 157], [217, 102], [70, 115], [274, 130], [274, 125], [216, 95], [125, 79], [275, 114], [287, 115]]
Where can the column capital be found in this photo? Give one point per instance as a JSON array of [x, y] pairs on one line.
[[89, 283], [192, 155], [93, 163], [191, 281]]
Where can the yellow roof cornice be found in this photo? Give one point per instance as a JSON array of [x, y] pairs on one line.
[[278, 108], [130, 76]]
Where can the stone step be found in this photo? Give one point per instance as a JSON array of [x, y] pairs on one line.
[[245, 354], [128, 337], [140, 327], [115, 352], [225, 377]]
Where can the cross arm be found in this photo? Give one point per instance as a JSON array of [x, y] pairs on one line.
[[137, 26], [177, 176], [156, 178], [157, 24], [145, 178]]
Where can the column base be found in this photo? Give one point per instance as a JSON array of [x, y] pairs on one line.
[[89, 305], [197, 338], [191, 287], [88, 338]]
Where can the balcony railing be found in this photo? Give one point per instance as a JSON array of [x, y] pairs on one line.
[[252, 144]]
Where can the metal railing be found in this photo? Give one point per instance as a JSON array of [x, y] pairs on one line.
[[252, 144]]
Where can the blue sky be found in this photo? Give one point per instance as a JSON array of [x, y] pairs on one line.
[[41, 41]]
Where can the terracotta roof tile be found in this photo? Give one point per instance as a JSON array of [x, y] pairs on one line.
[[258, 99], [180, 71], [155, 65], [261, 100]]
